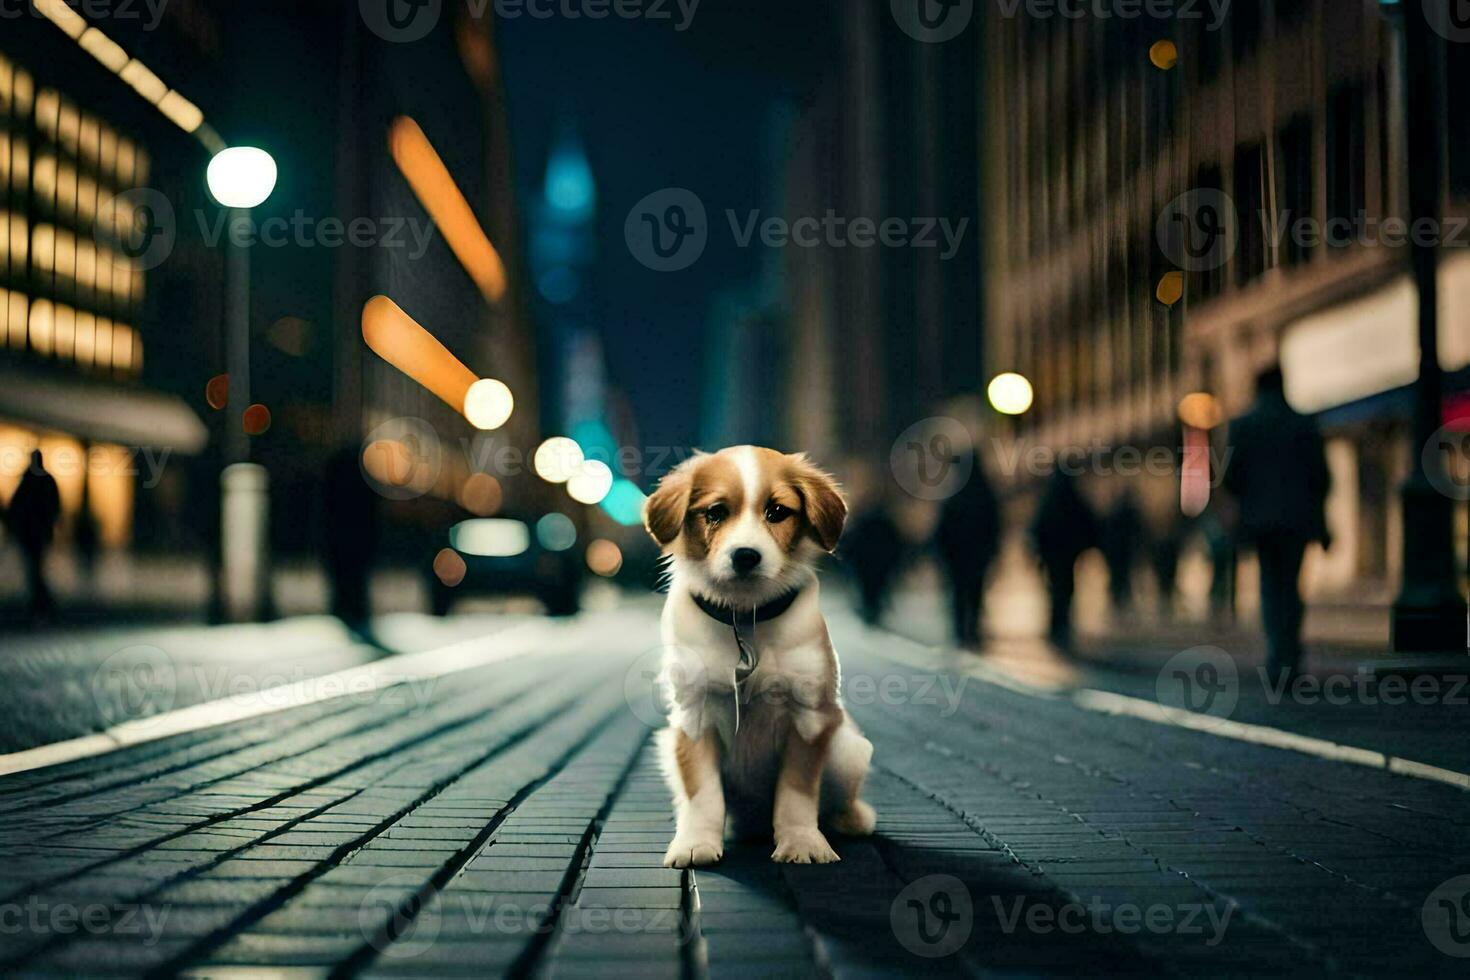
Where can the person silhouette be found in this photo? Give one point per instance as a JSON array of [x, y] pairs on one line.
[[1123, 540], [967, 539], [350, 518], [1277, 473], [875, 547], [34, 510], [1064, 528]]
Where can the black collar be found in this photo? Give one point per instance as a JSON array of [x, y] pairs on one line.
[[727, 614]]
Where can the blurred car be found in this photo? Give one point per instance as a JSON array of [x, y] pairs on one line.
[[502, 557]]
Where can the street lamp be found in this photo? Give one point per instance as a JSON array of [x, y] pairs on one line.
[[241, 178], [1010, 394]]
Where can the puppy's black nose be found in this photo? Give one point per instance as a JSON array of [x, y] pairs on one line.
[[745, 559]]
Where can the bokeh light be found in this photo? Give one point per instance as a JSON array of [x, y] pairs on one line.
[[481, 494], [557, 459], [217, 391], [400, 340], [241, 176], [1010, 393], [490, 537], [1164, 55], [1171, 288], [257, 419], [488, 404], [1201, 410], [591, 482], [604, 557], [449, 567], [435, 188], [556, 532]]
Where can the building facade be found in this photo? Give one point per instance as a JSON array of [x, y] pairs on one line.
[[1176, 204]]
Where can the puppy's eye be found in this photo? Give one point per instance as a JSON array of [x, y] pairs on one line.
[[776, 513], [715, 513]]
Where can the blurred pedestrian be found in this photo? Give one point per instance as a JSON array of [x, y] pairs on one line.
[[1064, 528], [87, 538], [967, 539], [874, 546], [1215, 524], [1123, 541], [1164, 550], [1277, 473], [351, 524], [34, 510]]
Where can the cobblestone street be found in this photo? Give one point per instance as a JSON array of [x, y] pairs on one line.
[[510, 819]]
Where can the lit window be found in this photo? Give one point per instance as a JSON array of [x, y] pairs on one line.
[[42, 326]]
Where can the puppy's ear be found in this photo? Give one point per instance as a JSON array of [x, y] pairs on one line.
[[664, 510], [826, 510]]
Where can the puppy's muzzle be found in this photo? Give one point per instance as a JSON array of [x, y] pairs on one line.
[[745, 560]]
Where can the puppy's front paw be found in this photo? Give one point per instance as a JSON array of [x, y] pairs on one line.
[[687, 852], [803, 847]]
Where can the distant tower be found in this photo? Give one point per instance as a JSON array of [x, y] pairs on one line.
[[563, 250]]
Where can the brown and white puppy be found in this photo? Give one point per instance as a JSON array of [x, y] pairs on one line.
[[761, 738]]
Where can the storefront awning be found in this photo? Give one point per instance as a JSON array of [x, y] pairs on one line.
[[99, 411]]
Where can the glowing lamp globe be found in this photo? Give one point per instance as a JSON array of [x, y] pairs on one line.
[[488, 404], [558, 459], [241, 176], [1010, 394], [591, 482]]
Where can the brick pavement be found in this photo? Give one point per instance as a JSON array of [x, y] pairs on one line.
[[513, 824]]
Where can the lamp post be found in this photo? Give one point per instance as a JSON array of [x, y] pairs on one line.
[[1429, 613], [241, 178]]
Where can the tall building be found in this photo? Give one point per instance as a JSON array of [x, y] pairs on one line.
[[1173, 205], [881, 336], [104, 292]]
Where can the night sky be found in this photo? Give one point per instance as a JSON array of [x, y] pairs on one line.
[[659, 108]]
